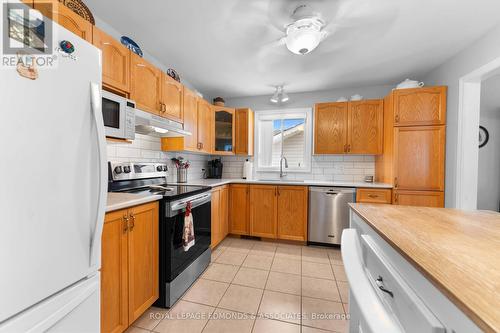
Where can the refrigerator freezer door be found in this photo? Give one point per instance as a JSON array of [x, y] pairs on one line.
[[52, 192], [75, 309]]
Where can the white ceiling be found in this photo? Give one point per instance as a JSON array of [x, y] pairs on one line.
[[219, 45]]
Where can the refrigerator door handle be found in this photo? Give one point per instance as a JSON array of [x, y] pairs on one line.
[[95, 93]]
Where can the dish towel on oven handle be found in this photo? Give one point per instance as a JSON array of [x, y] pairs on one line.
[[188, 232]]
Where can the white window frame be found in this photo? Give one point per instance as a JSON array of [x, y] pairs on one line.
[[289, 113]]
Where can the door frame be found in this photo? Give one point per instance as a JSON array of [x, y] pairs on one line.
[[469, 107]]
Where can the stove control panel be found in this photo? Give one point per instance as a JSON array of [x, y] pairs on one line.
[[136, 170]]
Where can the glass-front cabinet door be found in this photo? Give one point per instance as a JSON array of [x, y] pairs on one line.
[[224, 130]]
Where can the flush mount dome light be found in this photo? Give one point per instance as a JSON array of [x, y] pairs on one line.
[[304, 35]]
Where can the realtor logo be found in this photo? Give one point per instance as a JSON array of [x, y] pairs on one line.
[[27, 37]]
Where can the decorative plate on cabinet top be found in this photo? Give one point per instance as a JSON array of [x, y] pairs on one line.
[[131, 45]]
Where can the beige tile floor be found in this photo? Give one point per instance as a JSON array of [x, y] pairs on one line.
[[256, 286]]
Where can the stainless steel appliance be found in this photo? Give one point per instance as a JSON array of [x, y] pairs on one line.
[[150, 124], [119, 116], [328, 213], [215, 168], [50, 236], [178, 268]]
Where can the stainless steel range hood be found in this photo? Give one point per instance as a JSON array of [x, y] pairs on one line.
[[150, 124]]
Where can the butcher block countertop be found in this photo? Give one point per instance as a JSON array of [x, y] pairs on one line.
[[458, 251]]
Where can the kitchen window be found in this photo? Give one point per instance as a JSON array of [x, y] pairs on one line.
[[285, 133]]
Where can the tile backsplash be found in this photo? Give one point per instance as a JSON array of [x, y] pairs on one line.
[[326, 167], [147, 148]]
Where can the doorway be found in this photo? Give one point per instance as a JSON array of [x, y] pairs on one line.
[[468, 134]]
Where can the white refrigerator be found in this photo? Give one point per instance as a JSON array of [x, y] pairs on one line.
[[53, 189]]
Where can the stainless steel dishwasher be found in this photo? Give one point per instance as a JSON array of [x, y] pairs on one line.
[[328, 213]]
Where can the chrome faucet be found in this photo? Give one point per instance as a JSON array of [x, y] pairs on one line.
[[281, 166]]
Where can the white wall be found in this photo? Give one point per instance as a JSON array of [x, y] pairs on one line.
[[479, 53], [308, 99], [488, 196]]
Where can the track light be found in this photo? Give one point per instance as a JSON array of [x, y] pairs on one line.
[[279, 96]]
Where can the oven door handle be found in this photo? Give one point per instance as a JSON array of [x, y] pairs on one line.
[[195, 202]]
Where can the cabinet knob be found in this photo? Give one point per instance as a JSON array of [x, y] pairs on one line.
[[373, 196], [396, 119], [395, 182]]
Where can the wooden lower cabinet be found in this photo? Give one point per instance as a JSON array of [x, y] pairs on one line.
[[224, 211], [292, 212], [263, 211], [418, 198], [239, 209], [269, 211], [143, 259], [129, 265], [374, 195], [114, 273], [219, 208]]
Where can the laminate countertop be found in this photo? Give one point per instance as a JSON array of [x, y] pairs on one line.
[[220, 182], [124, 200], [458, 251]]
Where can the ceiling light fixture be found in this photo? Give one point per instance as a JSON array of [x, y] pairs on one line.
[[279, 96], [304, 35]]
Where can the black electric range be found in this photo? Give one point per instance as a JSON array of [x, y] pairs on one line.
[[178, 267]]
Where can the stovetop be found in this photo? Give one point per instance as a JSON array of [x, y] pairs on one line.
[[156, 186], [170, 192]]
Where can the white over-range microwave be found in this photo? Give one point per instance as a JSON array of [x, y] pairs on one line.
[[119, 116]]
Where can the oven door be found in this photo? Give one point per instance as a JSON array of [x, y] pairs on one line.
[[176, 259], [114, 115]]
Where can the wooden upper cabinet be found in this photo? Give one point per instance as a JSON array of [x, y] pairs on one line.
[[115, 61], [330, 128], [223, 130], [292, 212], [143, 259], [419, 106], [419, 157], [114, 273], [172, 99], [190, 101], [145, 85], [263, 218], [418, 198], [239, 209], [244, 132], [366, 125], [65, 17], [205, 123]]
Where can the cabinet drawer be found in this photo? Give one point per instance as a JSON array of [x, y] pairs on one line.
[[411, 312], [371, 195]]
